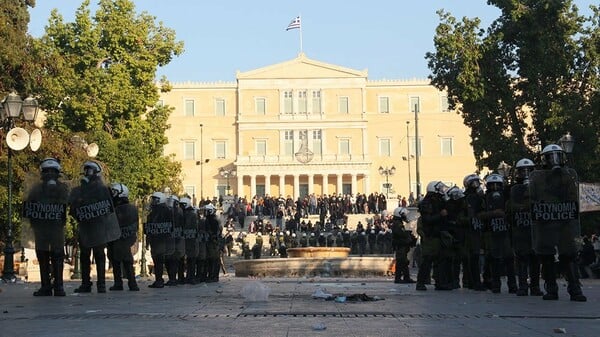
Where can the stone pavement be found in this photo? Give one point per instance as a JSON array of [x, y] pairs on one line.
[[219, 309]]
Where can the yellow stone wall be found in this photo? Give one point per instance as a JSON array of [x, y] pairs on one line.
[[364, 126]]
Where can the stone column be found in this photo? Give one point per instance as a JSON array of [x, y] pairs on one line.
[[268, 184], [252, 186], [339, 178], [354, 190], [282, 185], [311, 184], [296, 186], [325, 183]]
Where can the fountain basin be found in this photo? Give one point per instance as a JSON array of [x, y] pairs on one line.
[[319, 252]]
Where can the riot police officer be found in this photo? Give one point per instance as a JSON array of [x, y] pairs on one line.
[[518, 215], [433, 214], [554, 193], [119, 251], [92, 206], [45, 207], [500, 250], [190, 235], [473, 239], [213, 228], [175, 243], [158, 227], [402, 241]]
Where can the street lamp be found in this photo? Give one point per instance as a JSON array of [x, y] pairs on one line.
[[417, 152], [408, 157], [567, 142], [10, 110], [387, 172], [227, 173], [504, 170], [201, 162]]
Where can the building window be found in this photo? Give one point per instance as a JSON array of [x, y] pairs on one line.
[[261, 147], [189, 108], [220, 107], [261, 107], [220, 149], [316, 101], [413, 148], [384, 105], [190, 190], [287, 102], [302, 102], [385, 147], [189, 150], [415, 105], [343, 105], [317, 142], [444, 103], [447, 146], [345, 146], [288, 143]]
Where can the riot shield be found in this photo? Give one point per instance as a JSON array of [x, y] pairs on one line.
[[519, 217], [554, 196]]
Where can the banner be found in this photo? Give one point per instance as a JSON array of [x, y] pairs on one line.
[[589, 197]]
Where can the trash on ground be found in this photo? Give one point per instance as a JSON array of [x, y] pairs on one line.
[[362, 298], [319, 326], [340, 299], [255, 291], [560, 330], [322, 293]]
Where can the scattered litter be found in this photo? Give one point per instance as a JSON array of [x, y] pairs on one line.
[[560, 330], [218, 291], [319, 326], [91, 311], [255, 291], [340, 299], [322, 293], [362, 298]]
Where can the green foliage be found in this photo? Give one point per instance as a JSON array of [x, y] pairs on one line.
[[95, 80], [525, 81]]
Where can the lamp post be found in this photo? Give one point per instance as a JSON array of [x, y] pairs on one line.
[[417, 152], [504, 170], [227, 173], [387, 172], [11, 109], [408, 157], [567, 142], [201, 162]]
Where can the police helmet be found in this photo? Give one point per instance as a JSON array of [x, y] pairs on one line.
[[91, 168], [172, 200], [209, 209], [553, 155], [455, 193], [400, 212], [50, 163], [437, 186], [158, 198], [523, 167], [471, 181], [494, 182], [185, 202], [118, 190]]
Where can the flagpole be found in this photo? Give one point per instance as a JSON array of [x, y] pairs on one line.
[[300, 16]]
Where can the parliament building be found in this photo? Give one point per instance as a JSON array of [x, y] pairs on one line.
[[304, 126]]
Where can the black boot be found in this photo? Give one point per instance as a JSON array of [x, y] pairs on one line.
[[522, 276], [57, 271], [424, 273], [511, 280], [45, 278], [117, 274], [534, 276], [85, 264], [190, 277], [495, 284], [573, 286], [549, 273], [130, 274]]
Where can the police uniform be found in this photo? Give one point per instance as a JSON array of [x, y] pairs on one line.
[[45, 207], [554, 194], [158, 227], [402, 240], [119, 251]]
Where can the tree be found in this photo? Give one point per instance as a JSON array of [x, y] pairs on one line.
[[520, 85], [96, 77]]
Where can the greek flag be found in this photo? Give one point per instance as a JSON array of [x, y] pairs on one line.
[[294, 24]]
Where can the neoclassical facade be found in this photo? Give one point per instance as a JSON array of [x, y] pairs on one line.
[[304, 126]]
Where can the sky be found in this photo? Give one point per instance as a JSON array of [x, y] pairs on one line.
[[389, 38]]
